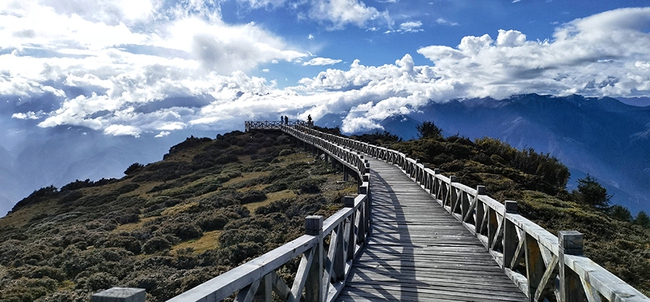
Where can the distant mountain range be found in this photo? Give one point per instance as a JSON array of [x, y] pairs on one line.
[[603, 137]]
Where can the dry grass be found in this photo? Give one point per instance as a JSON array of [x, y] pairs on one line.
[[25, 215], [179, 208], [143, 189], [271, 197], [253, 188], [296, 158], [209, 241], [102, 190], [66, 285], [129, 227], [245, 177], [187, 154]]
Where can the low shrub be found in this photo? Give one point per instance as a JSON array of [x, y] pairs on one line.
[[212, 221], [155, 245]]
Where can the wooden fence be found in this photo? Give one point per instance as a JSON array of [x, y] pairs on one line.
[[541, 264], [271, 125]]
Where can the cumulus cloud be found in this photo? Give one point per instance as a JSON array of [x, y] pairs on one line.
[[597, 56], [120, 68], [442, 21], [122, 130], [321, 62], [163, 134], [182, 80], [602, 55], [263, 3], [341, 13], [408, 27], [30, 115]]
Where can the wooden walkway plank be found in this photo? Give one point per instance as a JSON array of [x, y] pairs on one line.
[[419, 252]]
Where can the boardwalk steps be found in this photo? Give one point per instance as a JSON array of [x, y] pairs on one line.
[[402, 251]]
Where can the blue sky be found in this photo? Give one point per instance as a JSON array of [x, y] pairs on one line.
[[150, 67], [95, 85]]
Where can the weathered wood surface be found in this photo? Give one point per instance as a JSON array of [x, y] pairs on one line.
[[418, 252]]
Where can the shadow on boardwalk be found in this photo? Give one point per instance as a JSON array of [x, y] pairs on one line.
[[418, 252]]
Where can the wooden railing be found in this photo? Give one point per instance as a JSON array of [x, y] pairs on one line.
[[271, 125], [326, 251], [541, 264]]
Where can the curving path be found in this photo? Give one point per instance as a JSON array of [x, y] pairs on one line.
[[418, 252]]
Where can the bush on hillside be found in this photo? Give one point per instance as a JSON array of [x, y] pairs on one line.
[[155, 245], [133, 169], [591, 193], [429, 130]]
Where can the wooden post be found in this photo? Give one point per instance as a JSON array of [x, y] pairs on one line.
[[570, 243], [361, 231], [348, 202], [534, 266], [120, 294], [314, 285], [452, 194], [480, 210], [492, 226], [336, 254], [509, 234]]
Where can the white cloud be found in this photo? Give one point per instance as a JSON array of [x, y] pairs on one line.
[[602, 55], [128, 61], [340, 13], [407, 27], [180, 84], [442, 21], [30, 115], [591, 56], [321, 62], [264, 3], [118, 130], [110, 12], [163, 134], [310, 37]]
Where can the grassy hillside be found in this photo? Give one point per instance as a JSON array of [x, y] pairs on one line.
[[213, 204], [168, 226]]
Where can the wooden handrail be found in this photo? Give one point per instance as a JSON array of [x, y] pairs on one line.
[[322, 273], [531, 256]]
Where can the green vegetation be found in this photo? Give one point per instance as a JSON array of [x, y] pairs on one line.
[[590, 192], [168, 226], [211, 205], [429, 130]]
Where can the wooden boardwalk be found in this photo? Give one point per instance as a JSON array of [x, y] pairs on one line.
[[419, 252]]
